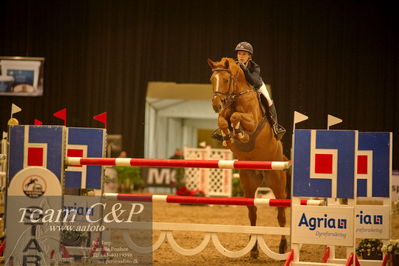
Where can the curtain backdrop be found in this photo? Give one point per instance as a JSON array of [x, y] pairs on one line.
[[321, 57]]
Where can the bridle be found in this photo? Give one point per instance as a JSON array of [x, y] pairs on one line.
[[229, 95]]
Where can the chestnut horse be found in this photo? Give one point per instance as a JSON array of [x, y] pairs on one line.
[[247, 133]]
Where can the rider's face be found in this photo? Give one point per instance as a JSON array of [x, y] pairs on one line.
[[243, 56]]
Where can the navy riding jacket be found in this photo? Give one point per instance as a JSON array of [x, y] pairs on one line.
[[252, 74]]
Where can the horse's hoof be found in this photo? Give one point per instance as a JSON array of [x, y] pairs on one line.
[[224, 143], [254, 254], [283, 246]]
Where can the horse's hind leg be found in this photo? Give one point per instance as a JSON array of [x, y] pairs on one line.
[[277, 182], [250, 181]]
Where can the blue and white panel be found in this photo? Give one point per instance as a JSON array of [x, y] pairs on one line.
[[324, 163], [84, 142], [36, 146], [374, 164]]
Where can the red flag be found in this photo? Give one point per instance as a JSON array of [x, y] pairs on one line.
[[61, 115], [38, 122], [101, 118]]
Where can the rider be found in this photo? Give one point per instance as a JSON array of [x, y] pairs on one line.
[[252, 74]]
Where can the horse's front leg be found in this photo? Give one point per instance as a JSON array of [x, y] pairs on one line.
[[223, 125], [243, 124]]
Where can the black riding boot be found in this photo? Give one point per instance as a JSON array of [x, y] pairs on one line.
[[278, 130]]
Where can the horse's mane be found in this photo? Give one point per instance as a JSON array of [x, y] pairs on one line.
[[230, 63], [232, 66]]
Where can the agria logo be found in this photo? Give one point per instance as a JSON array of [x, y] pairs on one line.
[[322, 222], [369, 219]]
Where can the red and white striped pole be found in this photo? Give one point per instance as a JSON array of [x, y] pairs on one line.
[[208, 200], [223, 164]]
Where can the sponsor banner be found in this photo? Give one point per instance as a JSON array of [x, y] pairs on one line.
[[374, 164], [87, 230], [30, 240], [80, 234], [84, 142], [33, 194], [324, 163], [36, 146], [161, 177], [372, 221], [322, 225]]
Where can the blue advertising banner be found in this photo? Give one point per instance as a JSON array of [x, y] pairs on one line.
[[324, 163], [84, 142], [373, 173], [36, 146]]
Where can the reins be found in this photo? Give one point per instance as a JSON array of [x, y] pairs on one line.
[[229, 95]]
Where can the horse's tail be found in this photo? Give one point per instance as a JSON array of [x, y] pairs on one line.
[[288, 179]]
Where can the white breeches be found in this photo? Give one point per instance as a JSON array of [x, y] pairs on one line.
[[265, 93]]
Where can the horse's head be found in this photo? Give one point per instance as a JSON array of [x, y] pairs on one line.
[[223, 81]]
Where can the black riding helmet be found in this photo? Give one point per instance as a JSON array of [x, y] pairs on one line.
[[245, 46]]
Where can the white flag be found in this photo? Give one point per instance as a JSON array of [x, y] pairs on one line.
[[332, 120], [15, 109], [298, 117]]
